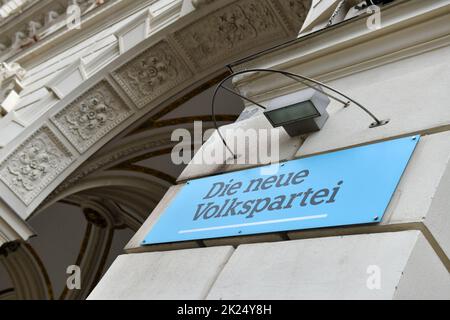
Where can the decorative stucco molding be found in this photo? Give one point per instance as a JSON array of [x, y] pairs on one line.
[[107, 161], [45, 18], [293, 12], [157, 70], [34, 164], [92, 115], [152, 73], [8, 70], [228, 31], [9, 7], [11, 75]]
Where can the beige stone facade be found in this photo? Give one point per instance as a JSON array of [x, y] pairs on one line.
[[87, 117]]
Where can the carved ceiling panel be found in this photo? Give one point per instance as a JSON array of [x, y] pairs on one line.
[[294, 12], [34, 164], [92, 115], [229, 31], [152, 73]]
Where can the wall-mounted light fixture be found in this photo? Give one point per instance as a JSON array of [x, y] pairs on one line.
[[308, 114]]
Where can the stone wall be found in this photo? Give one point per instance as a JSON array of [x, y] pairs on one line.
[[401, 73]]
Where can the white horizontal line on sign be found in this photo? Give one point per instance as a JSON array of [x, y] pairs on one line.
[[320, 216]]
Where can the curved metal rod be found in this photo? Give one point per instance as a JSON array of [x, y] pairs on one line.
[[346, 104], [213, 113], [241, 96], [290, 75], [377, 121]]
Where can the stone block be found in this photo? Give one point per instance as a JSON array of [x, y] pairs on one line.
[[335, 268], [176, 275]]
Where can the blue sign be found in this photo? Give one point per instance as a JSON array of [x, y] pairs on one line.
[[347, 187]]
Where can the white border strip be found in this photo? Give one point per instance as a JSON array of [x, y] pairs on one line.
[[321, 216]]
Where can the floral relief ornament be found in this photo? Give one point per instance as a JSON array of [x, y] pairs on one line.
[[240, 25], [152, 72], [33, 164], [91, 115], [298, 8]]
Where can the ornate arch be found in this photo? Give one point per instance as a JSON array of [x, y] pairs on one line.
[[27, 273], [86, 147], [136, 86]]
